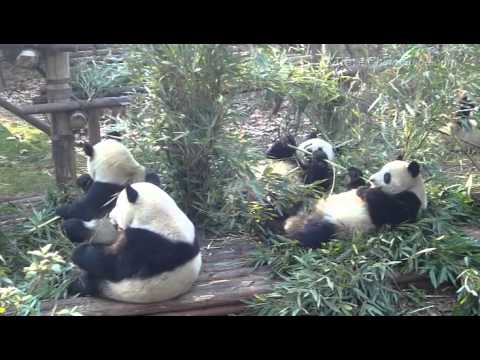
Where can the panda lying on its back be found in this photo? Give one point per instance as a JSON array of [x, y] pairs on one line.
[[111, 166], [396, 197], [155, 256], [313, 165]]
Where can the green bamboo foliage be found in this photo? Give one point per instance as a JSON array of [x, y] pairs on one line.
[[190, 90]]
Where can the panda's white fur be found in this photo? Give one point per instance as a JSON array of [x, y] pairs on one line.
[[111, 166], [113, 163], [400, 181], [103, 231], [312, 145], [348, 212], [156, 212], [165, 286]]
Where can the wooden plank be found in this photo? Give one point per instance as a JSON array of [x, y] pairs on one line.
[[230, 274], [232, 292], [68, 106], [39, 124], [225, 255], [21, 198], [225, 265], [12, 221], [211, 311]]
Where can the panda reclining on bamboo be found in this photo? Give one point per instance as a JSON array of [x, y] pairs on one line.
[[145, 249], [397, 195]]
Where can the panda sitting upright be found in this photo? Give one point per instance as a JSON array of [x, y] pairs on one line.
[[397, 195], [155, 256], [111, 167]]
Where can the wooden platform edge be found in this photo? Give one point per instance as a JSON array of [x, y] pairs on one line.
[[217, 295]]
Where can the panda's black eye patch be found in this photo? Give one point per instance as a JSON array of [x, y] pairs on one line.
[[387, 177]]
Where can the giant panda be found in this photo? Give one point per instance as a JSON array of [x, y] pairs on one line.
[[314, 145], [310, 163], [312, 155], [462, 125], [155, 256], [396, 196], [281, 149], [111, 166]]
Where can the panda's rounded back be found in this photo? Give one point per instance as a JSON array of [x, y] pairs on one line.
[[154, 210]]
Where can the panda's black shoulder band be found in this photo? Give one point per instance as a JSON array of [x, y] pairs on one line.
[[88, 149], [387, 209]]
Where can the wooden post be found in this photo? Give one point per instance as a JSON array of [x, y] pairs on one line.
[[59, 90], [93, 116]]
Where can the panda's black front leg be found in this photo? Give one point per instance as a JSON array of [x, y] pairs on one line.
[[84, 182], [96, 260], [362, 192], [391, 209], [76, 231], [79, 209], [355, 178], [85, 284]]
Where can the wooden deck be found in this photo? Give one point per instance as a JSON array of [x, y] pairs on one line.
[[226, 280]]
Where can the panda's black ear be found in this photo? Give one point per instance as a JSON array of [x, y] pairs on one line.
[[291, 140], [414, 168], [132, 194], [88, 149]]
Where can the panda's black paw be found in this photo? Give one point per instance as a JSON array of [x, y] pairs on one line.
[[76, 231], [84, 182], [63, 211], [354, 178], [362, 192], [83, 285]]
